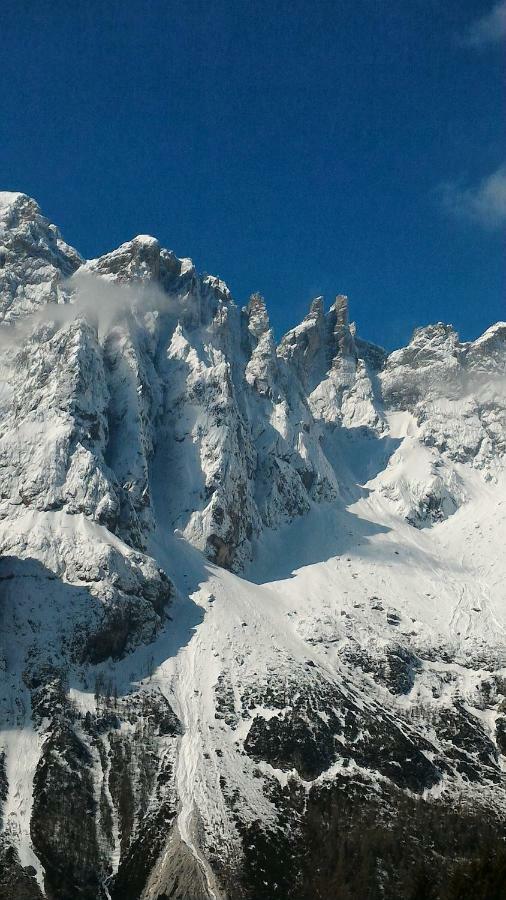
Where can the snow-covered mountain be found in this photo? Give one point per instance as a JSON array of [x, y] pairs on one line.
[[252, 593]]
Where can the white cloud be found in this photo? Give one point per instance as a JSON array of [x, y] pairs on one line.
[[490, 29], [98, 301], [484, 203]]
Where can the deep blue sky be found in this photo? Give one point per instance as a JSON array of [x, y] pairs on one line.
[[293, 147]]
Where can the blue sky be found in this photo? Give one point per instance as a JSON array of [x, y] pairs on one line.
[[294, 148]]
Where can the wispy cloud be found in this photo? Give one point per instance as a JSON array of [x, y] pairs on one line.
[[490, 29], [99, 302], [484, 203]]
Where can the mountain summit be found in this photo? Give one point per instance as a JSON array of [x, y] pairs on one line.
[[252, 611]]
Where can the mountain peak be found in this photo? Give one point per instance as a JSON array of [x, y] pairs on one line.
[[8, 198], [17, 208], [34, 260], [136, 259], [145, 240], [316, 307], [340, 307], [350, 659], [258, 317]]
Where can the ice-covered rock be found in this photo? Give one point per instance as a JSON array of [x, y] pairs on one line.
[[34, 260]]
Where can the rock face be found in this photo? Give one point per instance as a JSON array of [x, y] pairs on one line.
[[250, 591], [34, 260]]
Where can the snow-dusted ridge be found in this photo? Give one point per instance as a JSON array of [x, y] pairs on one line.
[[249, 590]]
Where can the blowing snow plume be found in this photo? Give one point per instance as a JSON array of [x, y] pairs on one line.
[[97, 301]]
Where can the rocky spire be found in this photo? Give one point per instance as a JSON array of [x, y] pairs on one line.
[[258, 318], [341, 310], [343, 338], [316, 308]]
